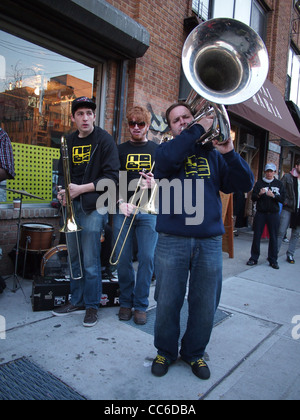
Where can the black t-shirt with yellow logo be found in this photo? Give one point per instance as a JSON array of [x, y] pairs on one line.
[[81, 154], [136, 157]]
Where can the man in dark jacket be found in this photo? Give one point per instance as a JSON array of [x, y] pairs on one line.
[[290, 215], [267, 193], [93, 156], [190, 236]]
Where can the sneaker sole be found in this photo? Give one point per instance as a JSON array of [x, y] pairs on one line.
[[80, 312], [140, 322], [125, 319], [89, 325]]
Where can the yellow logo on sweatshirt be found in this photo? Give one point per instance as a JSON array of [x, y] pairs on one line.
[[197, 167]]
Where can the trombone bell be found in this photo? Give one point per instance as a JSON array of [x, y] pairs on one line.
[[149, 207]]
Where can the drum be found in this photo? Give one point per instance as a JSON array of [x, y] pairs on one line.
[[37, 236], [55, 263]]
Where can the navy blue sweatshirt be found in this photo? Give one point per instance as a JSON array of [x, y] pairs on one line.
[[202, 173]]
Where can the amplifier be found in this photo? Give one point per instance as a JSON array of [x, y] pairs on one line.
[[48, 293], [110, 293]]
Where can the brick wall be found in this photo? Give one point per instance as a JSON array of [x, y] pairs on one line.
[[278, 41], [153, 80]]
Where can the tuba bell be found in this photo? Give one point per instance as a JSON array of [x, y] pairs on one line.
[[225, 62]]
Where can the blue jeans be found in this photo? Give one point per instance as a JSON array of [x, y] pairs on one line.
[[134, 293], [285, 219], [175, 259], [87, 290]]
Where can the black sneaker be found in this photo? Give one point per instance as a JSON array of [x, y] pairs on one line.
[[68, 309], [251, 262], [199, 368], [274, 265], [90, 318], [160, 365], [290, 259]]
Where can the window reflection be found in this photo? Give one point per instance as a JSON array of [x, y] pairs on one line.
[[37, 87], [36, 91]]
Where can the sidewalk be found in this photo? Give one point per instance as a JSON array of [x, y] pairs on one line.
[[252, 353]]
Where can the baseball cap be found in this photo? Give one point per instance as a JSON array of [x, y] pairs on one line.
[[83, 101], [270, 167]]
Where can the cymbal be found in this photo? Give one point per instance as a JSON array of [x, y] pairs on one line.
[[23, 192]]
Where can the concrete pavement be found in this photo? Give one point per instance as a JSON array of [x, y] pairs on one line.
[[253, 354]]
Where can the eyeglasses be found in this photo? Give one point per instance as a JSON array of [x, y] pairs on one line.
[[132, 124]]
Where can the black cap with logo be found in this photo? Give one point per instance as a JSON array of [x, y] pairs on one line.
[[84, 102]]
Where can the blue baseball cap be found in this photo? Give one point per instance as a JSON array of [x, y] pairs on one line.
[[270, 167]]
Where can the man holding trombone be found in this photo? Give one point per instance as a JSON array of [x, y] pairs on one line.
[[136, 156], [90, 156]]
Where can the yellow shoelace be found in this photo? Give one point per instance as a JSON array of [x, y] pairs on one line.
[[160, 359], [200, 363]]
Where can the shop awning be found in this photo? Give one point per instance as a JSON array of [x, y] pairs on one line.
[[268, 110]]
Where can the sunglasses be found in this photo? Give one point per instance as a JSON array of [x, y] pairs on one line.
[[132, 124]]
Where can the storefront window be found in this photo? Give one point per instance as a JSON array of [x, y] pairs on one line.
[[37, 87], [287, 162]]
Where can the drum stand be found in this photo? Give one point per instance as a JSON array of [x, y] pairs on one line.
[[16, 282]]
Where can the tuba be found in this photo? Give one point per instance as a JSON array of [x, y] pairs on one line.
[[225, 62]]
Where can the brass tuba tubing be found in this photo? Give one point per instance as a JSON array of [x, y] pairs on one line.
[[70, 226]]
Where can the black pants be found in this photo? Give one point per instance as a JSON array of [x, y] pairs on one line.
[[272, 221], [2, 284]]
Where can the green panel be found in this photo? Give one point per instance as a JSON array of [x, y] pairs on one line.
[[34, 172]]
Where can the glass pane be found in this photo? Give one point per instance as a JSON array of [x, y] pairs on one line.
[[201, 8], [294, 93], [223, 8], [258, 20], [290, 62], [37, 87], [287, 162], [243, 11]]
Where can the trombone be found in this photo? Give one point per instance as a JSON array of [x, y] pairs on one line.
[[149, 208], [137, 208], [70, 225]]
